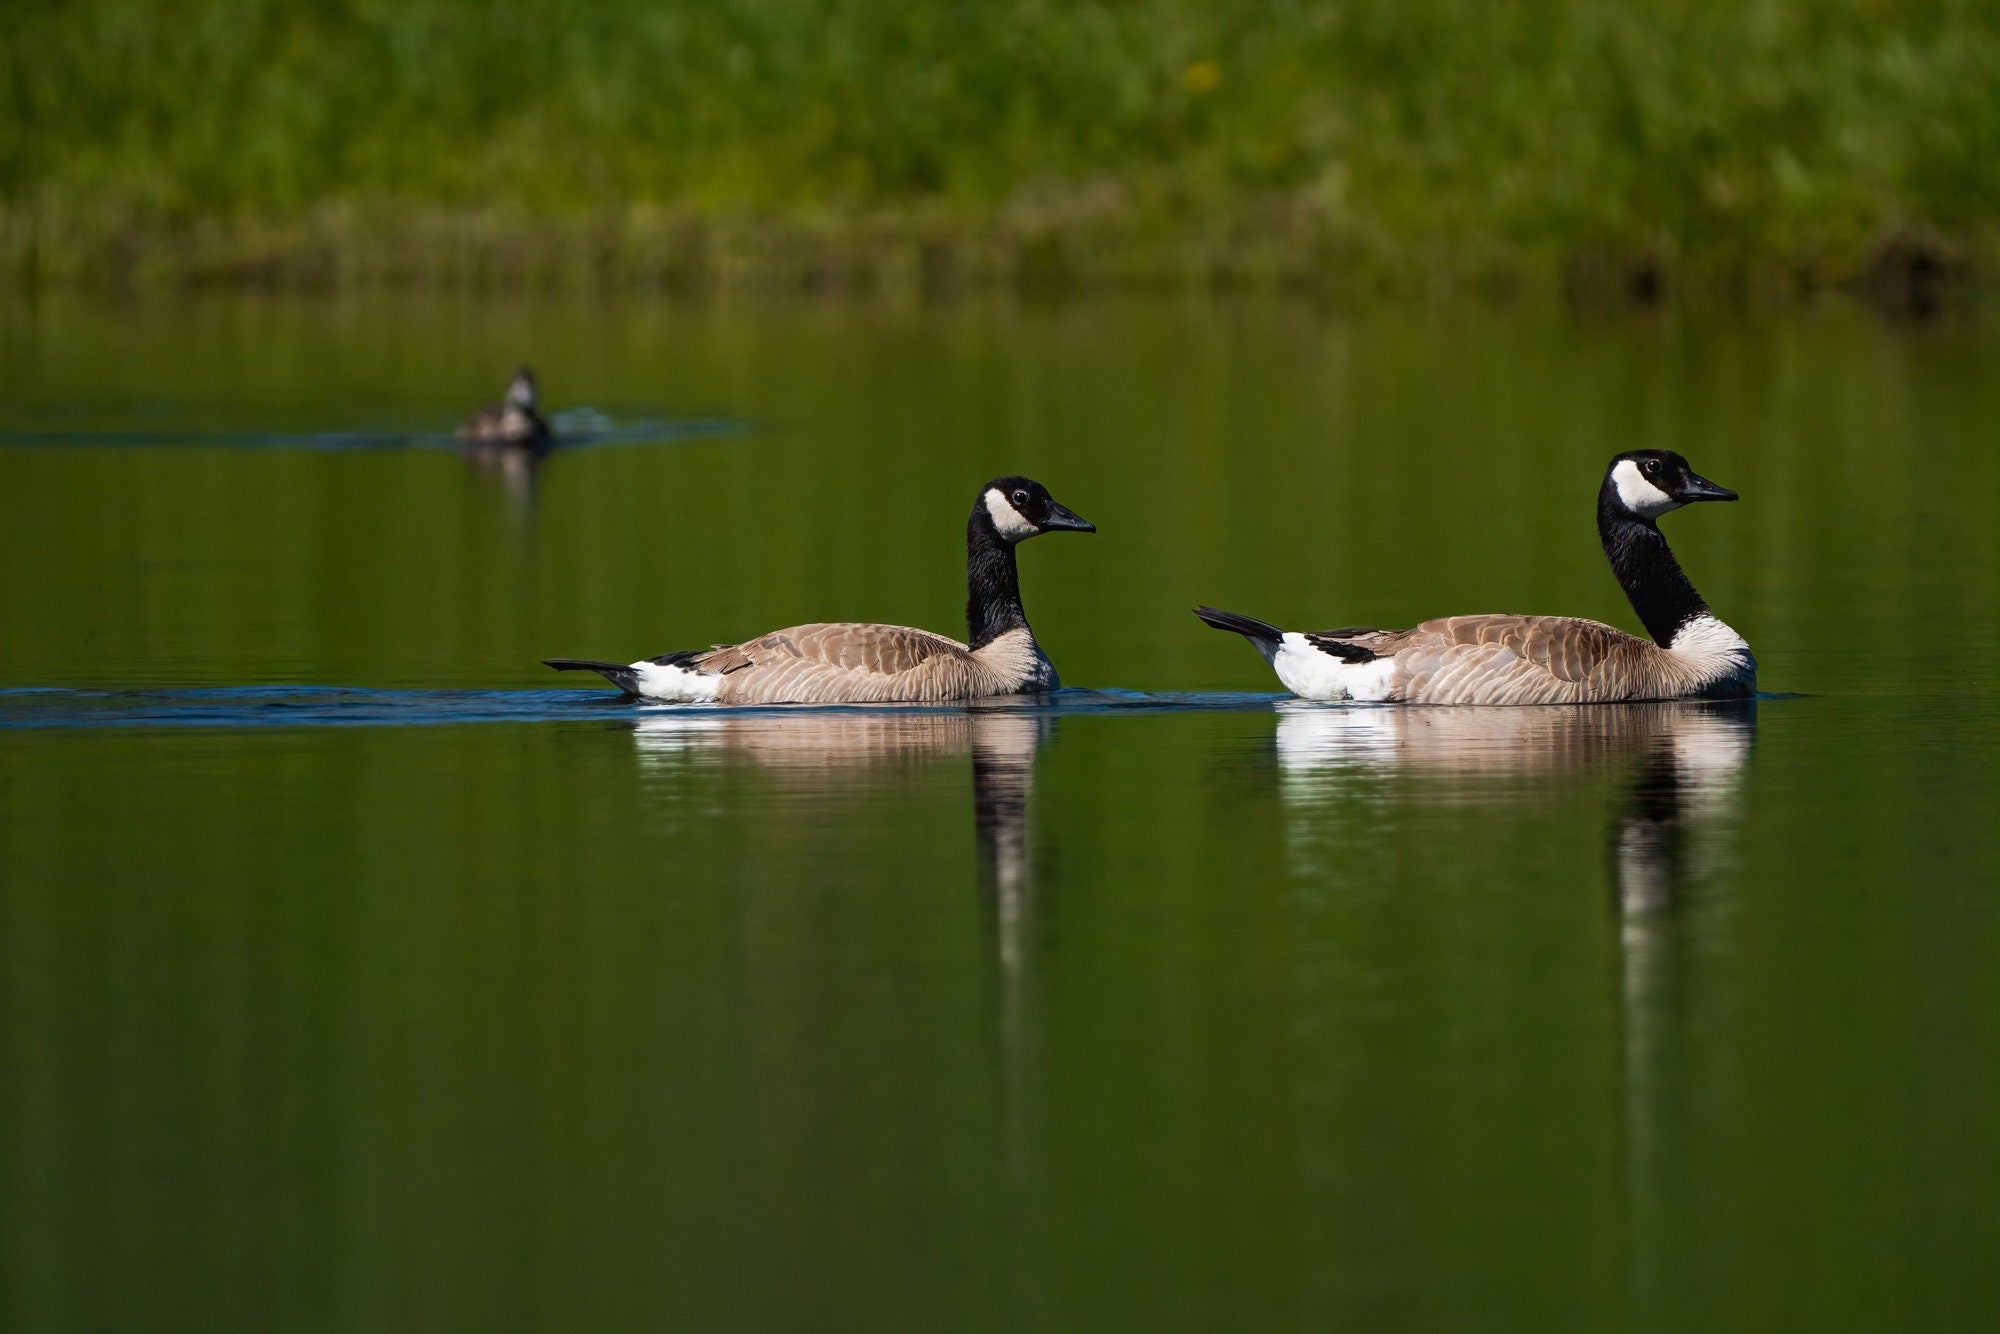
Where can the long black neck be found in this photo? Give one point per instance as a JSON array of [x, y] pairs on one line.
[[1646, 569], [992, 584]]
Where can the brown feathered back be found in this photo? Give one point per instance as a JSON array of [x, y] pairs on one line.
[[856, 663], [1505, 659]]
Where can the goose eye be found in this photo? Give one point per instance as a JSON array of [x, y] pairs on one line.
[[1652, 467], [1020, 498]]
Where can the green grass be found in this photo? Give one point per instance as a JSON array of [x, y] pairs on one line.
[[1779, 145]]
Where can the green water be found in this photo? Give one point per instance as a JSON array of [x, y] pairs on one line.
[[1171, 1007]]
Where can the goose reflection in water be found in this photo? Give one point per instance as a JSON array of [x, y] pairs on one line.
[[517, 470], [816, 754], [1682, 762], [1680, 766]]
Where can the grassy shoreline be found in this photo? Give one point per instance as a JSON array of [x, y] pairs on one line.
[[1622, 150], [1276, 246]]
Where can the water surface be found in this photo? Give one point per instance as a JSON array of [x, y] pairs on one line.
[[356, 972]]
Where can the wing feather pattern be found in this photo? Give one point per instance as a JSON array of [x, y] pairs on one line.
[[843, 662], [1501, 659]]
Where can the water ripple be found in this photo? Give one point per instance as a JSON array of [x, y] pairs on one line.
[[346, 706], [576, 428]]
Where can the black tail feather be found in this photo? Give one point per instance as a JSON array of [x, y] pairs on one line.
[[1332, 643], [1247, 626], [617, 673]]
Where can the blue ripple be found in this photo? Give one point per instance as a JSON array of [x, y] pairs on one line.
[[576, 428], [348, 706]]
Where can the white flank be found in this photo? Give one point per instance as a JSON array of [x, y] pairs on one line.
[[1315, 674], [1716, 652], [658, 680], [1641, 496], [1007, 519]]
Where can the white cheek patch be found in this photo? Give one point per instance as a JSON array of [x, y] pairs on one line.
[[1007, 519], [1641, 496]]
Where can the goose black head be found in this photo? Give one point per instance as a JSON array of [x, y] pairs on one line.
[[521, 390], [1652, 482], [1019, 508]]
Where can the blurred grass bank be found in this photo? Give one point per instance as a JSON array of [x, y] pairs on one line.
[[1625, 146]]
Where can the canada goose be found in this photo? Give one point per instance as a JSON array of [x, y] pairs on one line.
[[1542, 659], [881, 664], [514, 421]]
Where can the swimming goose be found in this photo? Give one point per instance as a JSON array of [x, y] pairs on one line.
[[1542, 659], [881, 664], [513, 422]]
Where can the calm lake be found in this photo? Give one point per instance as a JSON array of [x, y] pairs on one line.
[[356, 972]]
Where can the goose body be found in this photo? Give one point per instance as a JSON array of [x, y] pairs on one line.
[[859, 663], [1507, 659], [514, 421]]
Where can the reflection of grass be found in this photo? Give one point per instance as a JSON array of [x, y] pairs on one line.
[[1651, 140]]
